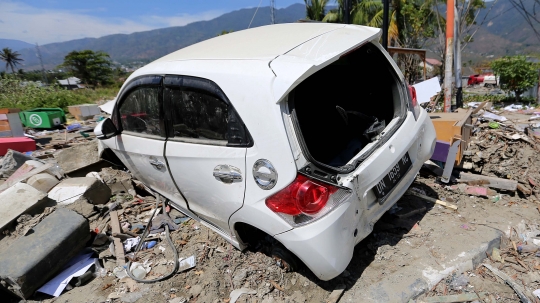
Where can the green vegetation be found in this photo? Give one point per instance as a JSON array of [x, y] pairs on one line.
[[315, 9], [11, 58], [89, 66], [516, 74], [14, 94]]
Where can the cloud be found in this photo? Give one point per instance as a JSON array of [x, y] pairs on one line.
[[46, 26]]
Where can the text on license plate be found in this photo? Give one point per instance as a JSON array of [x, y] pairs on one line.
[[397, 172]]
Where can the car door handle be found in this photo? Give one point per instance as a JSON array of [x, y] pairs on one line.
[[227, 173], [156, 163]]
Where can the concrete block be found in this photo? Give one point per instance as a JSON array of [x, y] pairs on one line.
[[69, 190], [35, 258], [19, 199], [43, 182]]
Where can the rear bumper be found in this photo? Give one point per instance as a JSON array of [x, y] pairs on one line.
[[326, 246]]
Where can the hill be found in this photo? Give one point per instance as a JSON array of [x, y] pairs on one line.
[[150, 45], [15, 45], [504, 32]]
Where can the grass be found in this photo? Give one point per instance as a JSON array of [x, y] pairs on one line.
[[14, 94]]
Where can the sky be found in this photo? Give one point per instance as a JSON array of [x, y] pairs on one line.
[[47, 21]]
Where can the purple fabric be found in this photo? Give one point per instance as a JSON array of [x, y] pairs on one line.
[[441, 151]]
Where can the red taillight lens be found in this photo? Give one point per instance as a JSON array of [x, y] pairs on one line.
[[412, 91], [303, 195]]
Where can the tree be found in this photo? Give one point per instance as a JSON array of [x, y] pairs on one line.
[[315, 9], [89, 66], [11, 58], [516, 74]]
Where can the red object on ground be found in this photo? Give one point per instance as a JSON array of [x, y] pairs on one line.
[[20, 144]]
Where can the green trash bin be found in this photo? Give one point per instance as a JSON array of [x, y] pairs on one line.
[[43, 117]]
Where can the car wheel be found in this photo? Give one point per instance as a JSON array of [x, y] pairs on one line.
[[284, 258]]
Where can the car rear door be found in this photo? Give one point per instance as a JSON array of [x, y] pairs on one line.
[[139, 116], [206, 148]]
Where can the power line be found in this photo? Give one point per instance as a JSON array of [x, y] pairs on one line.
[[254, 14], [272, 11]]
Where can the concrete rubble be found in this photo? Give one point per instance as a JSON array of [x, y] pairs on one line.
[[437, 244]]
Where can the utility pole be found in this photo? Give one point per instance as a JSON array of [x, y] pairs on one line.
[[347, 11], [386, 9], [449, 55], [457, 61], [272, 11], [43, 75]]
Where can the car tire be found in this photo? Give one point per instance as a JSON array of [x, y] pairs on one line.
[[284, 258]]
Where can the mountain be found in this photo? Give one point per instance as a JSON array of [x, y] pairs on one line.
[[504, 32], [150, 45], [15, 45]]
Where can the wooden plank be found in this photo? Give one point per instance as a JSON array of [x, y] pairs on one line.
[[516, 287], [493, 182], [118, 246], [430, 199], [25, 176], [452, 298]]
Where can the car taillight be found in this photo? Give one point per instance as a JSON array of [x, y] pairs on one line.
[[413, 101], [305, 198]]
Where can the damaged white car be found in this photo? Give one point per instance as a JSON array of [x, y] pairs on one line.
[[303, 133]]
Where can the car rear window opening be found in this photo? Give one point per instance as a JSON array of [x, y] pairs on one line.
[[344, 106]]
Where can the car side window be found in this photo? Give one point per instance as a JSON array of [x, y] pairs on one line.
[[197, 114], [139, 112]]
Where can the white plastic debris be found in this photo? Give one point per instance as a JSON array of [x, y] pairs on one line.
[[235, 294]]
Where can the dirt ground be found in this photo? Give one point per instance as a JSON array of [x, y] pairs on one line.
[[413, 234]]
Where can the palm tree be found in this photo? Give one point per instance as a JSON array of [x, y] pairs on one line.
[[11, 58], [364, 12], [315, 9]]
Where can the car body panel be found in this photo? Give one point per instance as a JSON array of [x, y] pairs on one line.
[[192, 167], [315, 244], [136, 152]]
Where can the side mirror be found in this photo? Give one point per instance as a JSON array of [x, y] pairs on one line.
[[105, 129]]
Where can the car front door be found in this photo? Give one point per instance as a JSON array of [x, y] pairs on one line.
[[139, 116], [206, 148]]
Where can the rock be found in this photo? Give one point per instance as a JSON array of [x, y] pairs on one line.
[[82, 207], [293, 281], [19, 199], [239, 276], [69, 190], [11, 162], [178, 300], [43, 182], [195, 290]]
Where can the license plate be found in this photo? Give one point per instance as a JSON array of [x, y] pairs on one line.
[[385, 186]]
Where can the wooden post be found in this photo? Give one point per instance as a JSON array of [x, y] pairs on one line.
[[449, 55]]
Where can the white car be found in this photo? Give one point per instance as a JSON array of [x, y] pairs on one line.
[[303, 132]]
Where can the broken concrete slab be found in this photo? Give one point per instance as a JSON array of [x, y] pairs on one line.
[[118, 181], [12, 161], [492, 182], [408, 282], [69, 190], [78, 156], [43, 182], [33, 259], [19, 199]]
